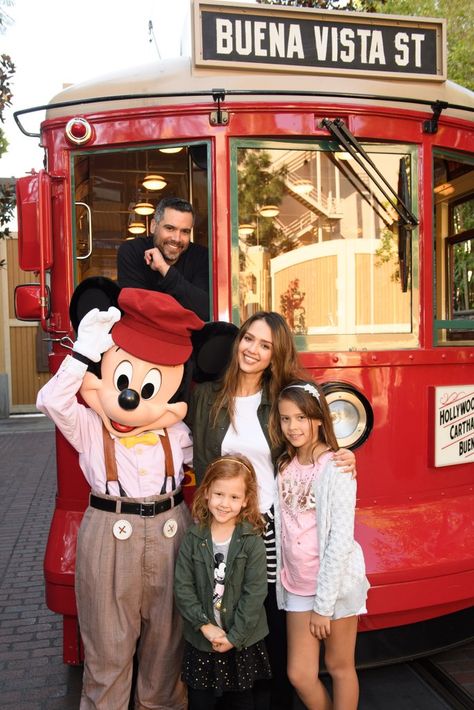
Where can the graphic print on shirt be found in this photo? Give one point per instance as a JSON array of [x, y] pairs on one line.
[[219, 581], [297, 494]]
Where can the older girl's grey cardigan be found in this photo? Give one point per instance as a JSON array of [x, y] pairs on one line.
[[342, 586]]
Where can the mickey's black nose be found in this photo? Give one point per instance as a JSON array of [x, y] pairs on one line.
[[129, 399]]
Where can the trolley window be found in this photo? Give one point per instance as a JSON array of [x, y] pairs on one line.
[[316, 240], [110, 194], [454, 249]]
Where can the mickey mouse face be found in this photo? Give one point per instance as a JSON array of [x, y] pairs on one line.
[[133, 395]]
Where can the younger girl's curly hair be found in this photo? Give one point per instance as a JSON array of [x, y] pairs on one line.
[[226, 467]]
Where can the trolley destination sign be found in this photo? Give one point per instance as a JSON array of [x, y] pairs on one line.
[[453, 425], [316, 41]]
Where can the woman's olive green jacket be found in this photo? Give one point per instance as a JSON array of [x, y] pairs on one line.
[[207, 439], [242, 613]]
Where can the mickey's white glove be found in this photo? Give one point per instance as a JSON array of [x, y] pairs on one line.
[[93, 333]]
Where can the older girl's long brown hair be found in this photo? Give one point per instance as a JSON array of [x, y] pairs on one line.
[[283, 368], [312, 407], [229, 466]]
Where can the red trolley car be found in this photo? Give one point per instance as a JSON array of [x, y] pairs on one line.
[[331, 165]]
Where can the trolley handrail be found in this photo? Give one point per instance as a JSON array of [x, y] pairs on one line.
[[220, 94]]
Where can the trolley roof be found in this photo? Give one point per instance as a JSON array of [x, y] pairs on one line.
[[176, 81]]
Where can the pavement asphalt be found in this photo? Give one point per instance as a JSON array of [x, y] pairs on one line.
[[32, 673]]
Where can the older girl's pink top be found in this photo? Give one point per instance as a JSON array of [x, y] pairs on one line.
[[299, 535]]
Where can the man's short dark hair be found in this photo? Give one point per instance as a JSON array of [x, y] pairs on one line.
[[175, 203]]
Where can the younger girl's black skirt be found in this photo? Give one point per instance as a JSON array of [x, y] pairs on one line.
[[232, 670]]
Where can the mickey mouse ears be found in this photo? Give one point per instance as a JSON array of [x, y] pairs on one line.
[[94, 292], [212, 347]]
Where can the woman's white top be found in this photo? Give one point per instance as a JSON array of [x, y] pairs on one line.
[[246, 437]]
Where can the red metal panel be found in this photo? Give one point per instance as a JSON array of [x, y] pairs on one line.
[[33, 194]]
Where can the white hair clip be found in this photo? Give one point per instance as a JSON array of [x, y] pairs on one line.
[[311, 389]]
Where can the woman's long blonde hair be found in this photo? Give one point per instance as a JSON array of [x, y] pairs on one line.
[[283, 368], [229, 466]]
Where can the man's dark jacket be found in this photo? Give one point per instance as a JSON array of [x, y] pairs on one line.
[[187, 281]]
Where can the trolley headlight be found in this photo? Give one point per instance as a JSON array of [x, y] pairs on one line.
[[352, 414]]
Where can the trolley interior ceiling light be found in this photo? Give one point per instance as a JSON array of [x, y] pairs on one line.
[[172, 149], [154, 182], [245, 230], [143, 207], [136, 228]]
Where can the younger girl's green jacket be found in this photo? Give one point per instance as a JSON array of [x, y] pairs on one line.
[[242, 612]]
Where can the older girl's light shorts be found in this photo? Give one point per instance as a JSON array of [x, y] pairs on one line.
[[296, 602]]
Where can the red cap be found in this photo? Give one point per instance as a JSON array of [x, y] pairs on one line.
[[154, 327]]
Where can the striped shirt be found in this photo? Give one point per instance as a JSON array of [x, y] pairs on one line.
[[270, 545]]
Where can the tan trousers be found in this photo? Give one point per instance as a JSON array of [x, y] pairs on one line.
[[124, 592]]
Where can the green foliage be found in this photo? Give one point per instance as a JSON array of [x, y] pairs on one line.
[[458, 13], [386, 252], [7, 69], [322, 4], [7, 192], [7, 204], [260, 185]]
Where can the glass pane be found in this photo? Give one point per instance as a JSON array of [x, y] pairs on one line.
[[462, 273], [463, 216], [318, 242], [107, 188], [454, 252]]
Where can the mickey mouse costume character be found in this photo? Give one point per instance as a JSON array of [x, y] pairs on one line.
[[132, 445]]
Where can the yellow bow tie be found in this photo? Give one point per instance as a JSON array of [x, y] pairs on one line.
[[149, 438]]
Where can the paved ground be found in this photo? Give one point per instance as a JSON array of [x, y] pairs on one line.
[[32, 673]]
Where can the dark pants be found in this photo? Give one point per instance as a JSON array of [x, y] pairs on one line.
[[277, 693], [232, 700]]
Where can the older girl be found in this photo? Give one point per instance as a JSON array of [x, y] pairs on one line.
[[321, 580]]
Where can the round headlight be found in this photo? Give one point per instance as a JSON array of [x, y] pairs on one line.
[[351, 412]]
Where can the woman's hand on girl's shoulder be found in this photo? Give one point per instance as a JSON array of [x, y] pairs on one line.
[[319, 626], [346, 461]]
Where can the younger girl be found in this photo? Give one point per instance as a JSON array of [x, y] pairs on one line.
[[220, 587], [321, 580]]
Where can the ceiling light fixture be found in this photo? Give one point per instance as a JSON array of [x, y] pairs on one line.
[[245, 230], [137, 227], [154, 182], [144, 208]]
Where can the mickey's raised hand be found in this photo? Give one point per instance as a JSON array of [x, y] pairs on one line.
[[93, 333]]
